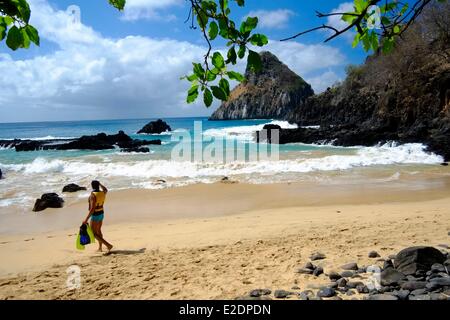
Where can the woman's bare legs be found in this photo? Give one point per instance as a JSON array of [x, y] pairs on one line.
[[96, 228]]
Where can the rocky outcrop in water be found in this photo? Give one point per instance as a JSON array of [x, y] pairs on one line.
[[273, 92], [72, 187], [101, 141], [48, 200], [155, 127]]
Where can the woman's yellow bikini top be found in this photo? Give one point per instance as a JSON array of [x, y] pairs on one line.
[[99, 200]]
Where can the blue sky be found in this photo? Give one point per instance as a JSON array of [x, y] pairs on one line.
[[127, 64]]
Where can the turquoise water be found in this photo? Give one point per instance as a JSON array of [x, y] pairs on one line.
[[29, 174]]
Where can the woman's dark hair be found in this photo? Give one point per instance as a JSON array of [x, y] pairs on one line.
[[95, 185]]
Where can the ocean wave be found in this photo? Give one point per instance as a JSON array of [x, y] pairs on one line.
[[39, 138], [245, 132], [145, 169]]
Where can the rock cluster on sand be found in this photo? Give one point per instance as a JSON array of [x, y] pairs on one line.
[[415, 273], [101, 141], [72, 187], [48, 200], [155, 127]]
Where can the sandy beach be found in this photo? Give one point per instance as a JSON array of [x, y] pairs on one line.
[[219, 241]]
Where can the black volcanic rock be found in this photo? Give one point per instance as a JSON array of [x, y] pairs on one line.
[[415, 259], [155, 127], [402, 96], [272, 92], [72, 187], [48, 200], [1, 174], [137, 149], [101, 141]]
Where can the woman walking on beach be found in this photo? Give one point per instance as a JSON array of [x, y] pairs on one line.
[[96, 213]]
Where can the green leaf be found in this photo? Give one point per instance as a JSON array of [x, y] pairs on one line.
[[219, 93], [2, 32], [192, 94], [223, 4], [241, 52], [192, 77], [26, 39], [396, 29], [207, 97], [202, 19], [210, 76], [232, 56], [356, 40], [23, 8], [223, 26], [213, 30], [240, 3], [259, 40], [199, 71], [248, 25], [14, 39], [235, 76], [225, 86], [118, 4], [360, 5], [218, 60], [33, 34], [254, 61]]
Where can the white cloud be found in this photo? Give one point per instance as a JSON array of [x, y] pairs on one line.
[[149, 9], [276, 19], [323, 81], [93, 77], [336, 21]]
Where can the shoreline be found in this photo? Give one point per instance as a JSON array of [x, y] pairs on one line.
[[230, 239]]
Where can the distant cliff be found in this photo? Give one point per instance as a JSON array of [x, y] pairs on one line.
[[271, 93]]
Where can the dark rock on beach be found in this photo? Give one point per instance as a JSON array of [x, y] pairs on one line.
[[72, 187], [155, 127], [317, 256], [350, 266], [390, 276], [373, 254], [414, 259], [281, 294], [137, 150], [1, 174], [48, 200], [333, 275], [383, 297], [326, 293], [260, 292]]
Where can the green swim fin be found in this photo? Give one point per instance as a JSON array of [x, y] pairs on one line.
[[91, 234], [78, 243]]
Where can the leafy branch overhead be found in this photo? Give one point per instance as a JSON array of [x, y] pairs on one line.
[[378, 23], [14, 24], [212, 76]]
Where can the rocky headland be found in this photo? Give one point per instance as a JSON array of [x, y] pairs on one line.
[[402, 96], [272, 92]]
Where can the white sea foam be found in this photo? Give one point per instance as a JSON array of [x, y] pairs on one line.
[[363, 157], [245, 132], [40, 138]]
